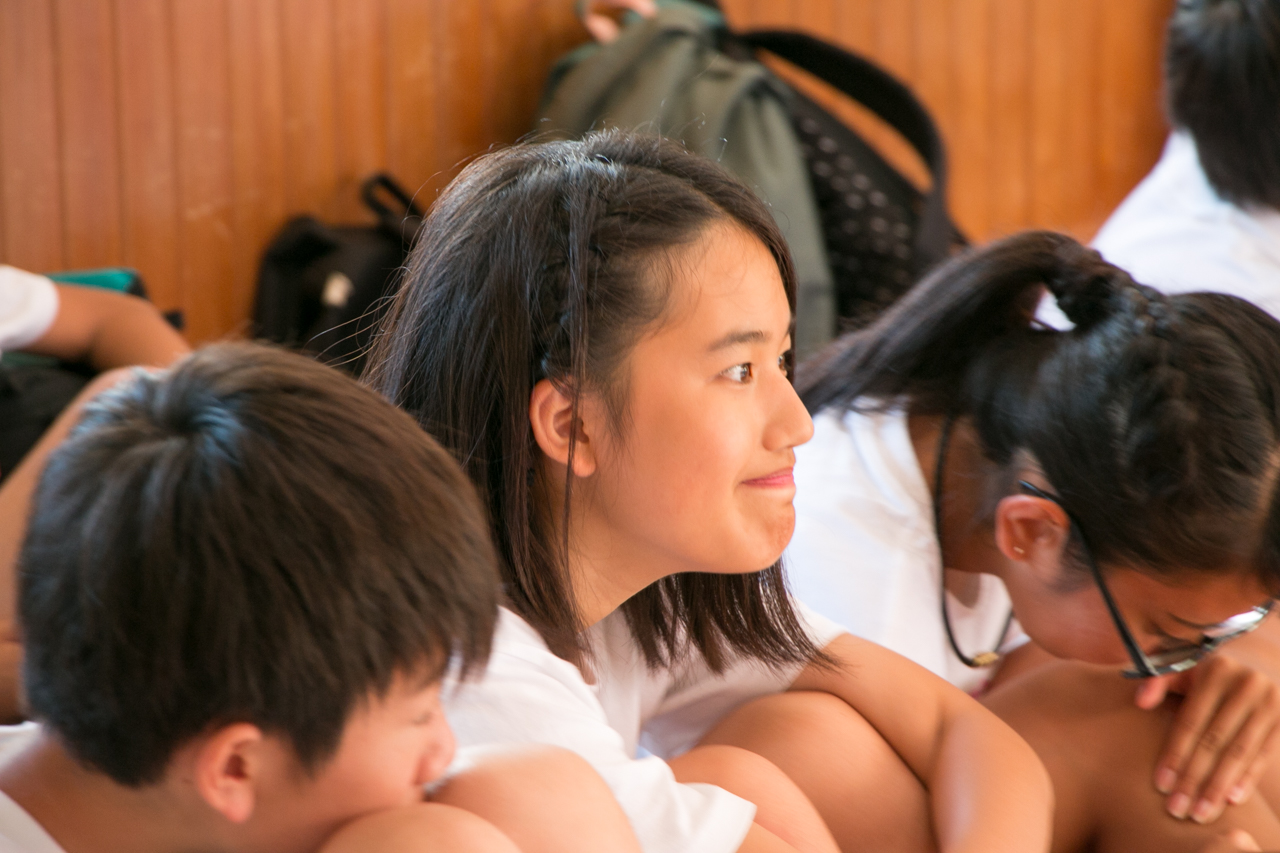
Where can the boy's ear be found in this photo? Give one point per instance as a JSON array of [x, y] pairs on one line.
[[228, 768], [551, 416], [1033, 531]]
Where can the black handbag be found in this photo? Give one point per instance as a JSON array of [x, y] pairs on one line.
[[881, 233], [322, 289]]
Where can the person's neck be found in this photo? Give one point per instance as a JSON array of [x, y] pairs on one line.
[[607, 572], [967, 542], [88, 812]]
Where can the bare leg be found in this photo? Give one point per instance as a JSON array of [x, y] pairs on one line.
[[1100, 749], [782, 809], [545, 800], [424, 828], [866, 795]]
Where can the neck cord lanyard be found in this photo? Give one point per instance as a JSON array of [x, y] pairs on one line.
[[981, 659]]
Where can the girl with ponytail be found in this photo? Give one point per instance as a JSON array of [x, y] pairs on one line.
[[599, 330], [1113, 485]]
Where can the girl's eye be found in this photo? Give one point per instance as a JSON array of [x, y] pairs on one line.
[[782, 361], [739, 372]]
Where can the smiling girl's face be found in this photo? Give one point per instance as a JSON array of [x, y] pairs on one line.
[[697, 477]]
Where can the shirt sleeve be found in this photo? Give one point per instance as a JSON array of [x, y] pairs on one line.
[[528, 695], [28, 306]]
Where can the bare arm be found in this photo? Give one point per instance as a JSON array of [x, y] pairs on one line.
[[988, 790], [107, 329]]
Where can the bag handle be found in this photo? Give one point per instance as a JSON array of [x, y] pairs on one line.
[[404, 221], [892, 101]]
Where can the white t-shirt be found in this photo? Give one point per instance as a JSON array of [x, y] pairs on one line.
[[19, 832], [1176, 234], [865, 553], [625, 724], [28, 305]]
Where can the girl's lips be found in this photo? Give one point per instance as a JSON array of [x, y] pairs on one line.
[[781, 477]]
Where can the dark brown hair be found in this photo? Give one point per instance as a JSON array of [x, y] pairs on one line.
[[250, 537], [1222, 73], [542, 261], [1156, 418]]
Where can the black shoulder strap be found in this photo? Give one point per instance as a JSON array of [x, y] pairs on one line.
[[888, 98], [403, 222]]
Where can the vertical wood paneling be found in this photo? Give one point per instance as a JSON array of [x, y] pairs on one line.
[[310, 126], [411, 95], [30, 168], [149, 180], [90, 145], [259, 203], [1008, 138], [1127, 116], [205, 182], [360, 108], [459, 38], [968, 111], [1061, 114], [178, 135], [935, 46], [894, 36]]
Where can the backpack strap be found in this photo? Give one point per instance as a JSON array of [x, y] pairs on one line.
[[405, 220], [891, 100]]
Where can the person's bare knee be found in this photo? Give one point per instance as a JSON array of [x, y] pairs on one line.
[[422, 828], [781, 807], [868, 797], [544, 799]]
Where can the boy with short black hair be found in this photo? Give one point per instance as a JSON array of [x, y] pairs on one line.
[[1207, 217], [241, 587]]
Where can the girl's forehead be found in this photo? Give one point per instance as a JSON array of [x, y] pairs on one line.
[[725, 270]]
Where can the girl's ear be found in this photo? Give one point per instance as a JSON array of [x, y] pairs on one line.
[[551, 416], [228, 770], [1033, 531]]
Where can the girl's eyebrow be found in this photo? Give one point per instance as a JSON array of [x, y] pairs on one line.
[[754, 336]]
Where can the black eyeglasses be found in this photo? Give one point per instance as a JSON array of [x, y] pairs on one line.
[[1168, 661]]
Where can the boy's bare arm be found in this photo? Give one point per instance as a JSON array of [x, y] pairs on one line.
[[106, 330]]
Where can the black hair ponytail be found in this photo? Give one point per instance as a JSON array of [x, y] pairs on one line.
[[1154, 417]]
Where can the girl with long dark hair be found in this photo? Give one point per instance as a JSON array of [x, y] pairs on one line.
[[1113, 485], [600, 332]]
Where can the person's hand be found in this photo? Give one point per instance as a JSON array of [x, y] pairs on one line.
[[1222, 738], [595, 15], [1232, 842]]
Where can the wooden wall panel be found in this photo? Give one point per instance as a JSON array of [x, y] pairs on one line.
[[176, 136], [87, 97], [1050, 108], [30, 168], [148, 165]]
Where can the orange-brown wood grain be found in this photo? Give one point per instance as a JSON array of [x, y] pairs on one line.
[[202, 73], [86, 72], [148, 168], [177, 136], [31, 175], [259, 200]]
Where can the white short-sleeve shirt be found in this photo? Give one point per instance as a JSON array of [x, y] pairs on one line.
[[624, 724], [865, 552], [1175, 233], [19, 832], [28, 305]]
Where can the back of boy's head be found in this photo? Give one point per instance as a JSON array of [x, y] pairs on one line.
[[250, 537], [1222, 71]]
